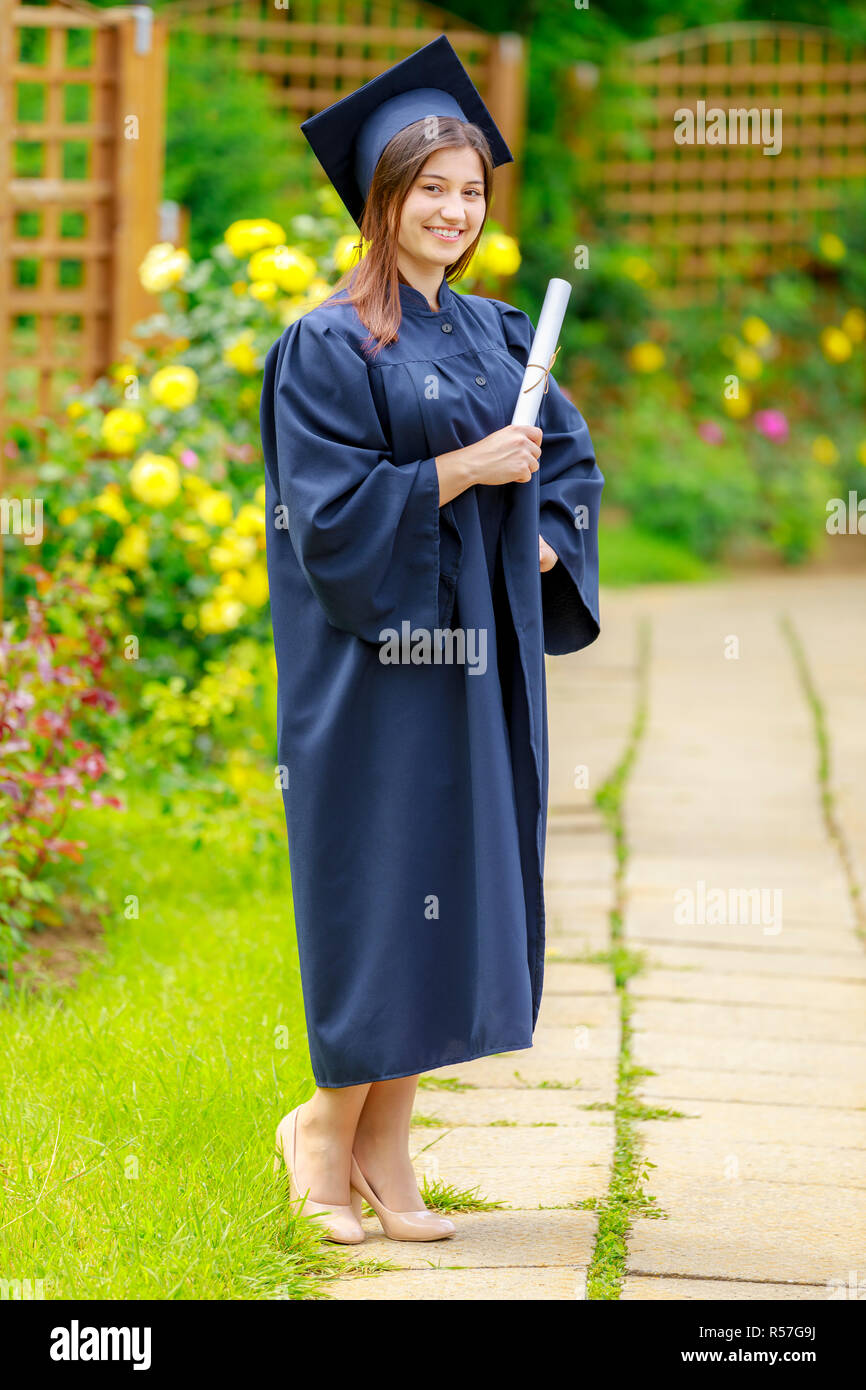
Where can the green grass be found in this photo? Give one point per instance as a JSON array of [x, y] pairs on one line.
[[630, 556], [138, 1108]]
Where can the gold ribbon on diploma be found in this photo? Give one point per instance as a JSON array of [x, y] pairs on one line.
[[545, 374]]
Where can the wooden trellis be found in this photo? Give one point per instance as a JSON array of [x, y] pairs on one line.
[[709, 210], [81, 161], [315, 51]]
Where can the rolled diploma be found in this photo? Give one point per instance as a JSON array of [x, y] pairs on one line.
[[543, 347]]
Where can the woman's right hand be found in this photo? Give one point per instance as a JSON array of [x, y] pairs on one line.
[[509, 455]]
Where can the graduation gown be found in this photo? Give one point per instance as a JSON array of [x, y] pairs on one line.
[[416, 790]]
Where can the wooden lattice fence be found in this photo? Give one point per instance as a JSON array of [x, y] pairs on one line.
[[314, 52], [81, 162], [709, 210]]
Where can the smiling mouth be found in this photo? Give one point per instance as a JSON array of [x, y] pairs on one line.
[[446, 233]]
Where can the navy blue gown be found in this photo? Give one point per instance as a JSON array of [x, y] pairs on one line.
[[416, 789]]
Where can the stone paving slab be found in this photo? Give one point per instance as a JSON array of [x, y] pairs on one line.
[[773, 1057], [588, 1075], [526, 1283], [717, 1156], [492, 1239], [673, 1084], [782, 961], [487, 1106], [582, 980], [647, 1288], [784, 991], [814, 1126], [749, 1020], [758, 1230]]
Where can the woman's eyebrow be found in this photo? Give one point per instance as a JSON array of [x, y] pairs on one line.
[[443, 179]]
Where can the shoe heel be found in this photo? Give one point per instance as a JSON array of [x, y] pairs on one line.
[[357, 1203]]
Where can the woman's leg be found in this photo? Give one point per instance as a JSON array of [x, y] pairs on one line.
[[382, 1143], [325, 1134]]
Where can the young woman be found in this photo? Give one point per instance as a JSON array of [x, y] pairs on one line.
[[423, 555]]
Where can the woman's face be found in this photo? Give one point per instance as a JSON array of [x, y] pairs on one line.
[[445, 208]]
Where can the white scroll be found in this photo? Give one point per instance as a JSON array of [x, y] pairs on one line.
[[543, 352]]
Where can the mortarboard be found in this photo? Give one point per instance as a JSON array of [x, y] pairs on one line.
[[349, 137]]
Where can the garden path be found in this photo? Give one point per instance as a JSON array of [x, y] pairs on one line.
[[753, 1030]]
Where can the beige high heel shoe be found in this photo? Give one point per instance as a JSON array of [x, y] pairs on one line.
[[401, 1225], [337, 1223]]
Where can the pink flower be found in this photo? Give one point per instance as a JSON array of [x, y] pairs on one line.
[[710, 432], [772, 424], [10, 449], [189, 458]]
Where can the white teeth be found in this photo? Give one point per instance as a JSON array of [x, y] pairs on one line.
[[448, 233]]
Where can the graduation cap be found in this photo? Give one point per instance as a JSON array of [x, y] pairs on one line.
[[349, 137]]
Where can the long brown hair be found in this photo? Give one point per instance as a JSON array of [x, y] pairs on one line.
[[372, 285]]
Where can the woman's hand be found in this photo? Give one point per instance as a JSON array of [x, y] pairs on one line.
[[547, 556], [508, 456]]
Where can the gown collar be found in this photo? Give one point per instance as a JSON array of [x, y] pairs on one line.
[[413, 301]]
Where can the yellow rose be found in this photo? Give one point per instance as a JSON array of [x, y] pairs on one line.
[[250, 521], [194, 484], [154, 479], [214, 508], [131, 550], [110, 502], [163, 266], [755, 331], [174, 387], [248, 235], [824, 451], [835, 345], [832, 247], [346, 252], [263, 290], [646, 357], [121, 428], [239, 287], [67, 515], [748, 364], [738, 407], [500, 254], [220, 614], [232, 552], [861, 453], [122, 370], [75, 410], [192, 534], [854, 324], [241, 353], [290, 268], [253, 589]]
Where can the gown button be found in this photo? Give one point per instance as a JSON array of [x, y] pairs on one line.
[[447, 328], [481, 381]]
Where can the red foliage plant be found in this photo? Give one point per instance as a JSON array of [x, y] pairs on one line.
[[52, 701]]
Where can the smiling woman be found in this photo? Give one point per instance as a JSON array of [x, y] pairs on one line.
[[402, 499]]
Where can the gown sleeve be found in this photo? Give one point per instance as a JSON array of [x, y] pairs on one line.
[[570, 486], [365, 531]]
